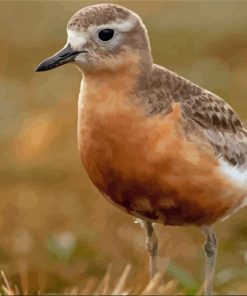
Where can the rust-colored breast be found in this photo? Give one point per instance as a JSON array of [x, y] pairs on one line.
[[145, 164]]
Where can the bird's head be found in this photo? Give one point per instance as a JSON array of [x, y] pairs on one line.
[[103, 37]]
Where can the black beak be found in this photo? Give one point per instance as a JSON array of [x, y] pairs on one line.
[[64, 56]]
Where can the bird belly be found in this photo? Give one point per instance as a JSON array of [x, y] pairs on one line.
[[147, 167]]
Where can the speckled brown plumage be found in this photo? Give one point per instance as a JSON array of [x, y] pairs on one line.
[[202, 110], [97, 15]]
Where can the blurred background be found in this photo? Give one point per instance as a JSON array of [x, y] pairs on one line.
[[56, 230]]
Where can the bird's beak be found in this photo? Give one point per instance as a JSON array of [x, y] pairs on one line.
[[64, 56]]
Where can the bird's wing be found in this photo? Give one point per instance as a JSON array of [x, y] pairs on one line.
[[220, 125]]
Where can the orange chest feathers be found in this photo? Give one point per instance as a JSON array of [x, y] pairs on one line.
[[144, 165]]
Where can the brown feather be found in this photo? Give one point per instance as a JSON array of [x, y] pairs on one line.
[[203, 110]]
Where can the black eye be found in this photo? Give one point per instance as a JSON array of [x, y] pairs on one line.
[[106, 34]]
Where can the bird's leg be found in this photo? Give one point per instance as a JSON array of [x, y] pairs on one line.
[[210, 250], [151, 246]]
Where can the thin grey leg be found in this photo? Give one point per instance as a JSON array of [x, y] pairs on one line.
[[151, 246], [210, 250]]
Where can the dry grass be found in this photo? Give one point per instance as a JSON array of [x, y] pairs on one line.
[[104, 287]]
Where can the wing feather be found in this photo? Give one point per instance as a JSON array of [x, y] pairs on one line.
[[202, 110], [220, 124]]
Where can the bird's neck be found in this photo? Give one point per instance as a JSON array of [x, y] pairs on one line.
[[98, 86], [108, 94]]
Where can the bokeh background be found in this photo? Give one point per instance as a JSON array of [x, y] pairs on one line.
[[56, 230]]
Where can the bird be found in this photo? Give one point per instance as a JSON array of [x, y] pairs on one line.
[[156, 145]]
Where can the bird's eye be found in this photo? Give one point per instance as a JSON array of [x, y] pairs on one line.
[[106, 34]]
